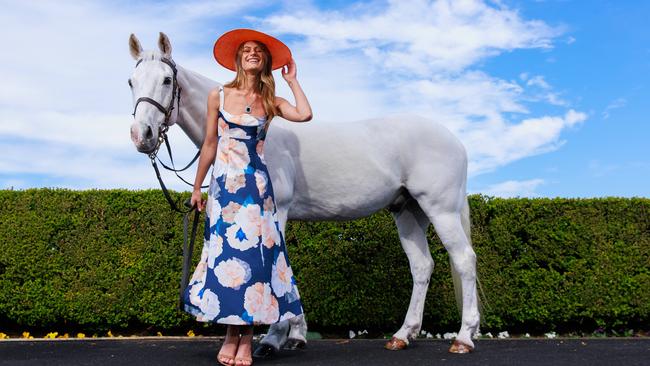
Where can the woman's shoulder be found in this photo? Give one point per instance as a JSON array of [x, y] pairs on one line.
[[215, 92], [279, 100], [214, 97]]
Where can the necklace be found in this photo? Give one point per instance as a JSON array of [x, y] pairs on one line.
[[249, 108]]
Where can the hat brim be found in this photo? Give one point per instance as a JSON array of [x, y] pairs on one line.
[[226, 46]]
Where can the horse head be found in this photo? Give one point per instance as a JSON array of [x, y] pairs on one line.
[[155, 93]]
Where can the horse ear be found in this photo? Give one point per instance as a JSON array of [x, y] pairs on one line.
[[135, 47], [164, 45]]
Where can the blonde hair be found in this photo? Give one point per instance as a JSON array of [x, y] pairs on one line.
[[266, 83]]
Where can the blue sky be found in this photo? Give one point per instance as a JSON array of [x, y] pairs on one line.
[[605, 72], [549, 97]]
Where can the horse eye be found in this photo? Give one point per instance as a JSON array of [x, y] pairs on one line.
[[130, 83], [167, 81]]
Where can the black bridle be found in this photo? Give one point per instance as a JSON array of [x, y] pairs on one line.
[[162, 133], [176, 94], [153, 156]]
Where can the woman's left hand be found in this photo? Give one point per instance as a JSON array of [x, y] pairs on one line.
[[289, 71]]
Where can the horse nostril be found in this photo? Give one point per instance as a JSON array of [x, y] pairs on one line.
[[149, 133]]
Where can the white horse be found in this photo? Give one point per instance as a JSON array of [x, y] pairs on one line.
[[412, 166]]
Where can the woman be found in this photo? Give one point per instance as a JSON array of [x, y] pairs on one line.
[[244, 276]]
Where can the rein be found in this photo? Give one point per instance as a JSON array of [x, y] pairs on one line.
[[188, 248]]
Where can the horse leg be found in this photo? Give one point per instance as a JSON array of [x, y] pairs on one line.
[[297, 333], [274, 339], [412, 224], [448, 224]]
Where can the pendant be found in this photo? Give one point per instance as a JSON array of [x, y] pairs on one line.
[[248, 109]]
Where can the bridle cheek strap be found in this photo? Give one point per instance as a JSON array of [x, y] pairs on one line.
[[176, 94]]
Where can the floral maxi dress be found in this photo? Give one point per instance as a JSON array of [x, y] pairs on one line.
[[244, 276]]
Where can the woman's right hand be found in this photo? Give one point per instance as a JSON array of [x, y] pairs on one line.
[[197, 199]]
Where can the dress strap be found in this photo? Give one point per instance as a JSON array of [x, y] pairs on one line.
[[221, 96]]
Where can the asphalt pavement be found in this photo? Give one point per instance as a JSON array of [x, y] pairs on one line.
[[203, 351]]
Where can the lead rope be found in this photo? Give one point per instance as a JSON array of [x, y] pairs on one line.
[[188, 245], [187, 252]]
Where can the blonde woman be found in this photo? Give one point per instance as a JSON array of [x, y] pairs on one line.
[[244, 277]]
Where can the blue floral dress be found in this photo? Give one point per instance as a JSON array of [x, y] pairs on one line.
[[244, 276]]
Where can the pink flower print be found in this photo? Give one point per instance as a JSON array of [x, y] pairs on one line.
[[228, 213], [238, 133], [213, 209], [198, 278], [281, 275], [233, 273], [260, 303], [210, 305], [269, 205], [244, 233], [237, 155], [238, 239], [261, 180], [235, 118], [243, 120], [222, 127], [259, 148], [270, 235], [222, 152], [235, 181], [233, 320], [252, 219], [215, 248], [286, 316]]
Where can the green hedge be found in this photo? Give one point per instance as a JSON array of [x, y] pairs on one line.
[[107, 259]]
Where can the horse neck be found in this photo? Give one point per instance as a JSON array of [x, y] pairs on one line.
[[193, 104]]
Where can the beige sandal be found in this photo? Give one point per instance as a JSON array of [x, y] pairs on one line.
[[227, 359], [241, 361], [245, 361]]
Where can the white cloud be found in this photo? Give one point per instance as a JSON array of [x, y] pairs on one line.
[[538, 81], [421, 57], [498, 143], [419, 37], [84, 129], [65, 100], [541, 90], [615, 104], [65, 85], [79, 167], [514, 188]]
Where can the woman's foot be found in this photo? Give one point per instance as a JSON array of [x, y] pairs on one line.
[[229, 347], [244, 350]]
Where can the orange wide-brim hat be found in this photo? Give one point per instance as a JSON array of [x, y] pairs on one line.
[[225, 48]]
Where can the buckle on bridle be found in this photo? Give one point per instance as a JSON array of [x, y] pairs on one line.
[[162, 133]]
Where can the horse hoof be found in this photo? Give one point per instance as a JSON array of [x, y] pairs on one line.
[[395, 344], [294, 344], [459, 347], [264, 352]]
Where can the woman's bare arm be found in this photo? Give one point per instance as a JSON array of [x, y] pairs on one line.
[[208, 149], [302, 111]]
